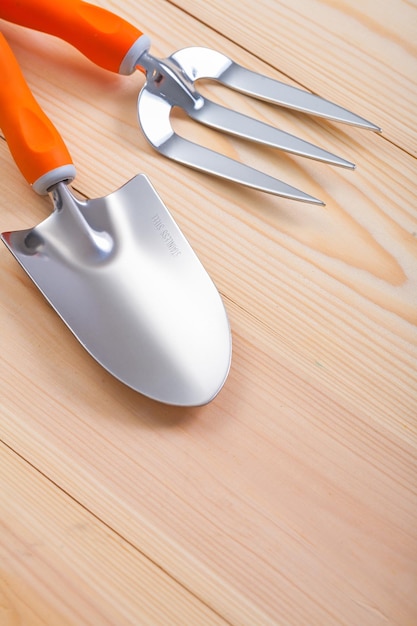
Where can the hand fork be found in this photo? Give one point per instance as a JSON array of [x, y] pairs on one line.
[[118, 46]]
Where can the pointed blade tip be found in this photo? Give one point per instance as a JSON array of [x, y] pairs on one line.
[[317, 202], [362, 123], [304, 197]]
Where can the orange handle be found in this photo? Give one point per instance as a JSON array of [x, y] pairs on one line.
[[100, 35], [34, 142]]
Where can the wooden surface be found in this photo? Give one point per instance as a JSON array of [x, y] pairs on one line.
[[291, 498]]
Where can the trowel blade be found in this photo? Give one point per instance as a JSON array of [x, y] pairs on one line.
[[124, 279]]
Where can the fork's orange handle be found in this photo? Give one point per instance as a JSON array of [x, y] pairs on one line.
[[34, 142], [100, 35]]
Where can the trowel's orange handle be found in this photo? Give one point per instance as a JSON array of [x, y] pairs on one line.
[[34, 142], [102, 36]]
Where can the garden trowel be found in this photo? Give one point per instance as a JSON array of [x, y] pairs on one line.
[[117, 269]]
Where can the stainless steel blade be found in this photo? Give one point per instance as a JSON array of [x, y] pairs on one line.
[[124, 279], [154, 113], [199, 63], [235, 123]]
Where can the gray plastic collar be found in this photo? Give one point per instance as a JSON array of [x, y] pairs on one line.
[[65, 173], [141, 45]]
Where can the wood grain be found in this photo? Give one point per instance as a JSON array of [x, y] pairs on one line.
[[99, 578], [363, 57], [291, 498]]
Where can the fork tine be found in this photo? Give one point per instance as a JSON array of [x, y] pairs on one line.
[[205, 63], [206, 160], [259, 86], [235, 123], [154, 118]]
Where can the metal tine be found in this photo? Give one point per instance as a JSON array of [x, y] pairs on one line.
[[258, 86], [205, 63], [171, 83], [235, 123], [211, 162], [162, 137], [229, 121]]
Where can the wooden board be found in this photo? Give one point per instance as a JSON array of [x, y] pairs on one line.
[[291, 498]]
